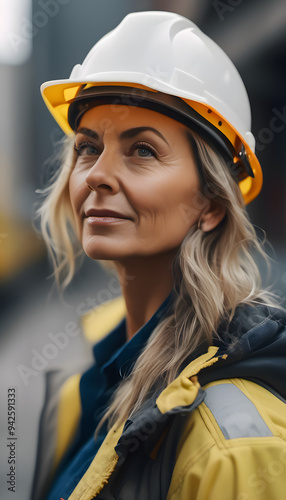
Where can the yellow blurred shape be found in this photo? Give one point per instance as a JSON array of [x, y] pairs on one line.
[[19, 246]]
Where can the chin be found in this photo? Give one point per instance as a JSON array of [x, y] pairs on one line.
[[96, 254], [97, 251]]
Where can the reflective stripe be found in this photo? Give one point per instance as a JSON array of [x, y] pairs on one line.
[[235, 414]]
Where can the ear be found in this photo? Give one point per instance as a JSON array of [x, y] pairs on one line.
[[212, 216]]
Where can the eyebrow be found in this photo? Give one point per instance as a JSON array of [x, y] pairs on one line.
[[88, 132], [127, 134], [132, 132]]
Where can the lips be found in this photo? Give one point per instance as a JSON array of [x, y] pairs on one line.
[[105, 213]]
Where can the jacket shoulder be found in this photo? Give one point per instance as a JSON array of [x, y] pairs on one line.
[[235, 433]]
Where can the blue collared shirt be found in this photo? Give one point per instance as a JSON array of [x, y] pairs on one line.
[[114, 360]]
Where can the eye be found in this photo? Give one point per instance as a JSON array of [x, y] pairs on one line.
[[144, 150], [86, 149]]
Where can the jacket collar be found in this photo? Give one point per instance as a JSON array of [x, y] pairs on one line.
[[255, 344], [182, 396]]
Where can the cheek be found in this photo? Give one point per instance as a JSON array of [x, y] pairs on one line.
[[190, 206], [76, 192], [185, 194], [180, 201], [167, 204]]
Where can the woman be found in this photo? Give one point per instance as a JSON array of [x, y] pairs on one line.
[[185, 399]]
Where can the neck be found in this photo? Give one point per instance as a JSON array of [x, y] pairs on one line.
[[145, 284]]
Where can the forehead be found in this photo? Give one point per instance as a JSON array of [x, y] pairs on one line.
[[123, 116]]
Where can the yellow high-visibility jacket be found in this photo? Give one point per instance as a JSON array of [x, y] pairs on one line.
[[218, 431]]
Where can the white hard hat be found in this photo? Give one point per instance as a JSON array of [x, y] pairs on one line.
[[150, 57]]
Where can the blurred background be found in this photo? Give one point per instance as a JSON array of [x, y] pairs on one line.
[[42, 40]]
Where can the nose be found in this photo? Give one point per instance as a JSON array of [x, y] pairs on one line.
[[104, 173]]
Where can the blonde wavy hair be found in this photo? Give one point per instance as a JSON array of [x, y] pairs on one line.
[[213, 272]]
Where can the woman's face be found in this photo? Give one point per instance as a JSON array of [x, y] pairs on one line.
[[138, 163]]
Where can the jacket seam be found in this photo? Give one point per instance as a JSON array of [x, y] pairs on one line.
[[226, 452], [102, 480], [194, 459], [260, 408], [229, 444]]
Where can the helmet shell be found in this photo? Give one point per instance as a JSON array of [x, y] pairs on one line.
[[166, 52]]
